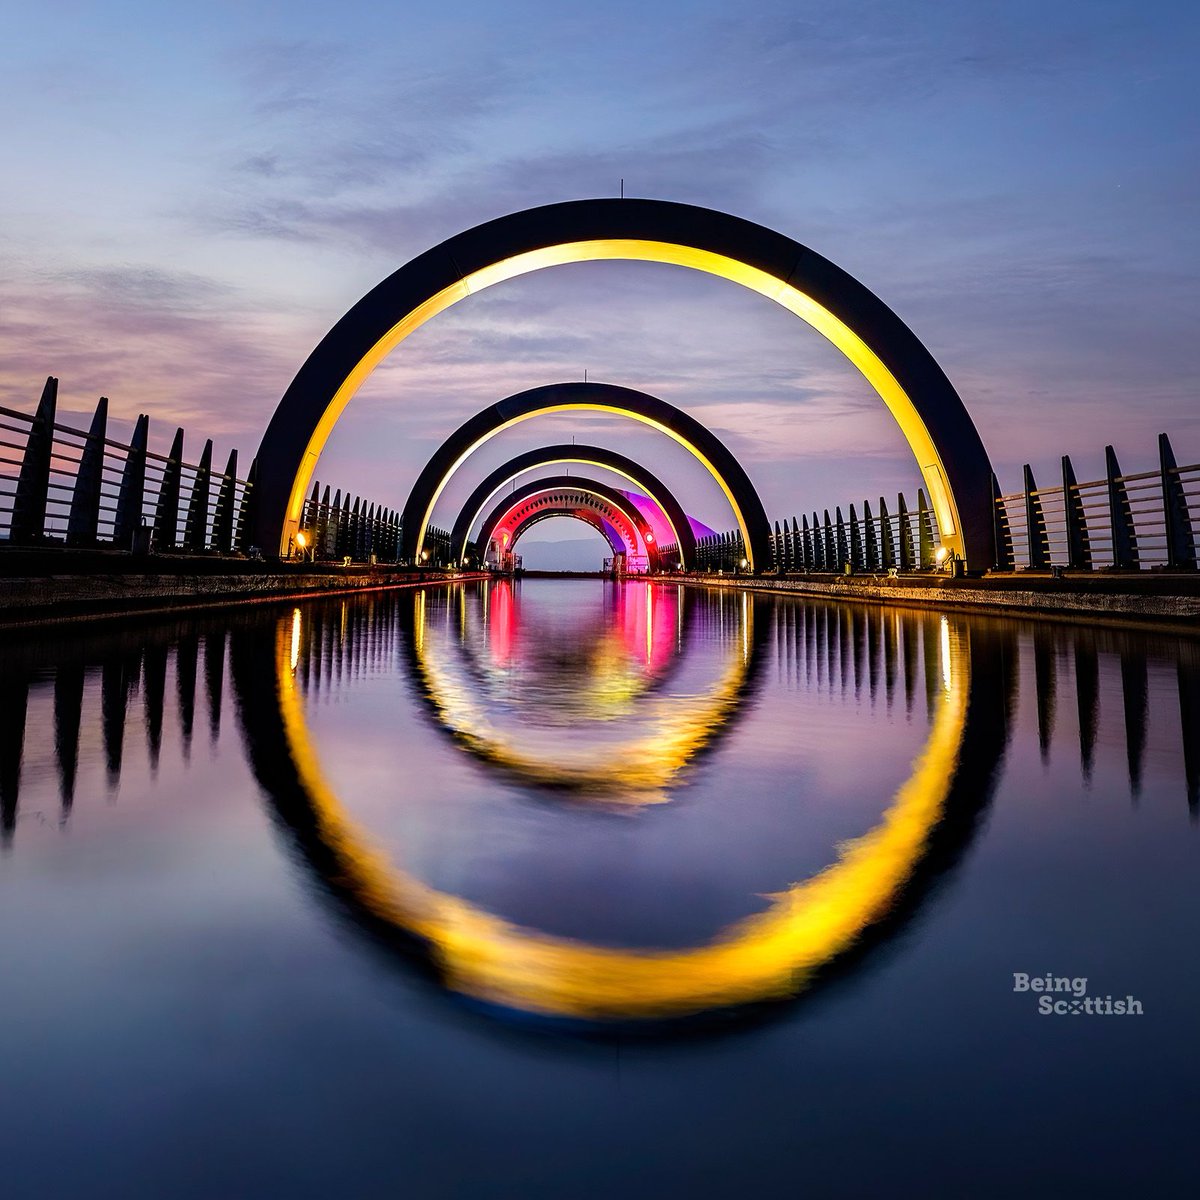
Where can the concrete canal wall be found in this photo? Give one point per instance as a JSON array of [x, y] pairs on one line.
[[45, 587], [1150, 597]]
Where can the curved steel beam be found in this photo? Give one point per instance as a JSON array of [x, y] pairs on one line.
[[616, 501], [707, 448], [905, 375], [588, 516], [591, 456]]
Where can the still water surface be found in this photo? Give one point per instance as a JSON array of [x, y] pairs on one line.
[[578, 889]]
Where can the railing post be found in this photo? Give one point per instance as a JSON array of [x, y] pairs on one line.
[[870, 540], [1005, 558], [321, 542], [1124, 536], [805, 556], [83, 523], [166, 513], [222, 532], [33, 483], [904, 532], [1181, 542], [1035, 524], [308, 516], [343, 529], [195, 529], [249, 509], [132, 497], [842, 551], [794, 547], [887, 547], [336, 534], [856, 544], [1079, 550], [924, 532]]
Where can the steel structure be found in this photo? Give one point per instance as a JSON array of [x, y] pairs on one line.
[[932, 417]]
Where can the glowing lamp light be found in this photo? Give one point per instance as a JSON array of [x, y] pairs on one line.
[[301, 540], [942, 554], [649, 538], [424, 555], [743, 564]]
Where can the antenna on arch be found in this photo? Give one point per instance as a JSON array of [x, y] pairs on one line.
[[585, 374], [622, 189]]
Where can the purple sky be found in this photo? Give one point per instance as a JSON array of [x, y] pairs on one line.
[[192, 196]]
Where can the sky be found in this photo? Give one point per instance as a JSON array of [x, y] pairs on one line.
[[192, 195]]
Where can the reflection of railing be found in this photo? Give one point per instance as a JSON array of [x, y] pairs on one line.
[[110, 678], [1121, 521]]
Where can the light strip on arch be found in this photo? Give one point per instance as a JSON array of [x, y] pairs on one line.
[[763, 282]]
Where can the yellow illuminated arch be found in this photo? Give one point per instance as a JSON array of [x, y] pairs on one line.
[[614, 410], [930, 413]]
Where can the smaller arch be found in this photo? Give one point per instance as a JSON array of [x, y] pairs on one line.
[[571, 491], [591, 456], [696, 438], [586, 516]]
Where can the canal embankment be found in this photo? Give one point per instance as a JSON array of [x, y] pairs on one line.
[[40, 587], [1151, 597]]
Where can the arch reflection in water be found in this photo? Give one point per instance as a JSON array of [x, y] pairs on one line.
[[770, 955], [584, 710], [1134, 695]]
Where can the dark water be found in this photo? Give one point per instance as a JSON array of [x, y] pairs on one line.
[[568, 889]]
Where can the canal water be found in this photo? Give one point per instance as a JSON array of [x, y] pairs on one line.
[[575, 889]]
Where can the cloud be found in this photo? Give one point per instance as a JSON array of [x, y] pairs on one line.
[[183, 347]]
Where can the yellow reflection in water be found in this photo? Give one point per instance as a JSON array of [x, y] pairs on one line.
[[769, 955]]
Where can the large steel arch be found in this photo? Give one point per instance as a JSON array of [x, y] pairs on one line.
[[564, 492], [708, 449], [930, 413], [591, 456]]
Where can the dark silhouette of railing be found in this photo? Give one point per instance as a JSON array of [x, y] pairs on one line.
[[906, 540], [1122, 522], [80, 488]]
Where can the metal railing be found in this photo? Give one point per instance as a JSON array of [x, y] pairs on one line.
[[906, 540], [1122, 522], [60, 485]]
